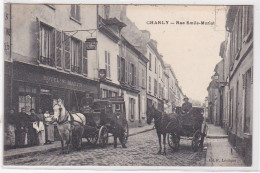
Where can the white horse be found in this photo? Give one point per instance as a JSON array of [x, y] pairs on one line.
[[70, 126]]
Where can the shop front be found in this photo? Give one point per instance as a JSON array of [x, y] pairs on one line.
[[36, 87]]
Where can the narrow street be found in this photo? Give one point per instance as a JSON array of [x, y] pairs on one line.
[[142, 151]]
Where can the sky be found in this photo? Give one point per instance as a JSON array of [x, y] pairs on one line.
[[191, 50]]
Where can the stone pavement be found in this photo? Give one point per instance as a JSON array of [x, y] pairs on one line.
[[219, 150], [21, 152], [216, 132], [141, 150]]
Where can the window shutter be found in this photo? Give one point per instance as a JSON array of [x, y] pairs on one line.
[[130, 73], [135, 79], [77, 12], [52, 48], [252, 77], [58, 41], [126, 71], [80, 55], [38, 36], [108, 64], [118, 68], [72, 12], [67, 43], [244, 81], [85, 59]]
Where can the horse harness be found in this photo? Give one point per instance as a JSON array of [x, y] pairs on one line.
[[66, 120]]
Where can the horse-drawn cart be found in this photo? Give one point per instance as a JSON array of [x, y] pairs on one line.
[[192, 126], [101, 120]]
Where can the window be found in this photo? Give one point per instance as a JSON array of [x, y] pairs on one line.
[[75, 12], [150, 61], [107, 63], [155, 87], [27, 97], [76, 55], [47, 45], [150, 83], [132, 108]]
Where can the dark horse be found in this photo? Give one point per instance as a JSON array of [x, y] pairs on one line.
[[164, 123]]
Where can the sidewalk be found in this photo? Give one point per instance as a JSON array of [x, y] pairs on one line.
[[22, 152], [219, 150], [216, 132]]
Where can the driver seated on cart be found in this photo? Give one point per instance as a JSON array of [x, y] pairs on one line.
[[186, 106], [86, 102]]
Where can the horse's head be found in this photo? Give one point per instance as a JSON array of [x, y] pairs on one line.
[[58, 109], [150, 114]]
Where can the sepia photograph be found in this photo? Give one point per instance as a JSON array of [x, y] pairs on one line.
[[128, 85]]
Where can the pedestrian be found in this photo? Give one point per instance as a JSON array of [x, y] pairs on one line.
[[33, 128], [9, 141], [49, 128], [117, 123], [41, 128], [21, 131]]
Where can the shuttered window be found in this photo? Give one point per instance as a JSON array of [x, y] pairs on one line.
[[67, 42], [126, 71]]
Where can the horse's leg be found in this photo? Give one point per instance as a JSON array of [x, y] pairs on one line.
[[160, 145], [164, 143], [62, 146]]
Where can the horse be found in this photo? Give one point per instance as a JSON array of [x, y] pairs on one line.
[[164, 123], [70, 126]]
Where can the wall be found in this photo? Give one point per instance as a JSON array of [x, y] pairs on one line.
[[25, 29]]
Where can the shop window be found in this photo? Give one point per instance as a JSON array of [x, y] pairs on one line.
[[75, 12], [27, 97]]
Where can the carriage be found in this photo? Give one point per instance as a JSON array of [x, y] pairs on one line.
[[99, 120], [192, 126]]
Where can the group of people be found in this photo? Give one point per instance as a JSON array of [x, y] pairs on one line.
[[23, 129]]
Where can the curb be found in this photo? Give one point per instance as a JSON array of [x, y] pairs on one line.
[[217, 136], [6, 158]]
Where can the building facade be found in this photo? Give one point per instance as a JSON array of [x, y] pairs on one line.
[[46, 60], [235, 84]]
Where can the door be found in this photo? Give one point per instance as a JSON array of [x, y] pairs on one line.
[[46, 102]]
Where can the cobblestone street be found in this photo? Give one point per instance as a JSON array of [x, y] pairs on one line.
[[142, 151]]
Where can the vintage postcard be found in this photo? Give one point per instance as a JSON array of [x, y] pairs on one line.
[[128, 85]]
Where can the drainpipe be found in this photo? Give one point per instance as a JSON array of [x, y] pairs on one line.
[[11, 55]]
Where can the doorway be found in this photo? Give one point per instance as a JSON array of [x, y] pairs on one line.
[[46, 102]]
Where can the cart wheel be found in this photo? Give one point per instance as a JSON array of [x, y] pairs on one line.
[[196, 140], [173, 141], [126, 134], [103, 136]]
